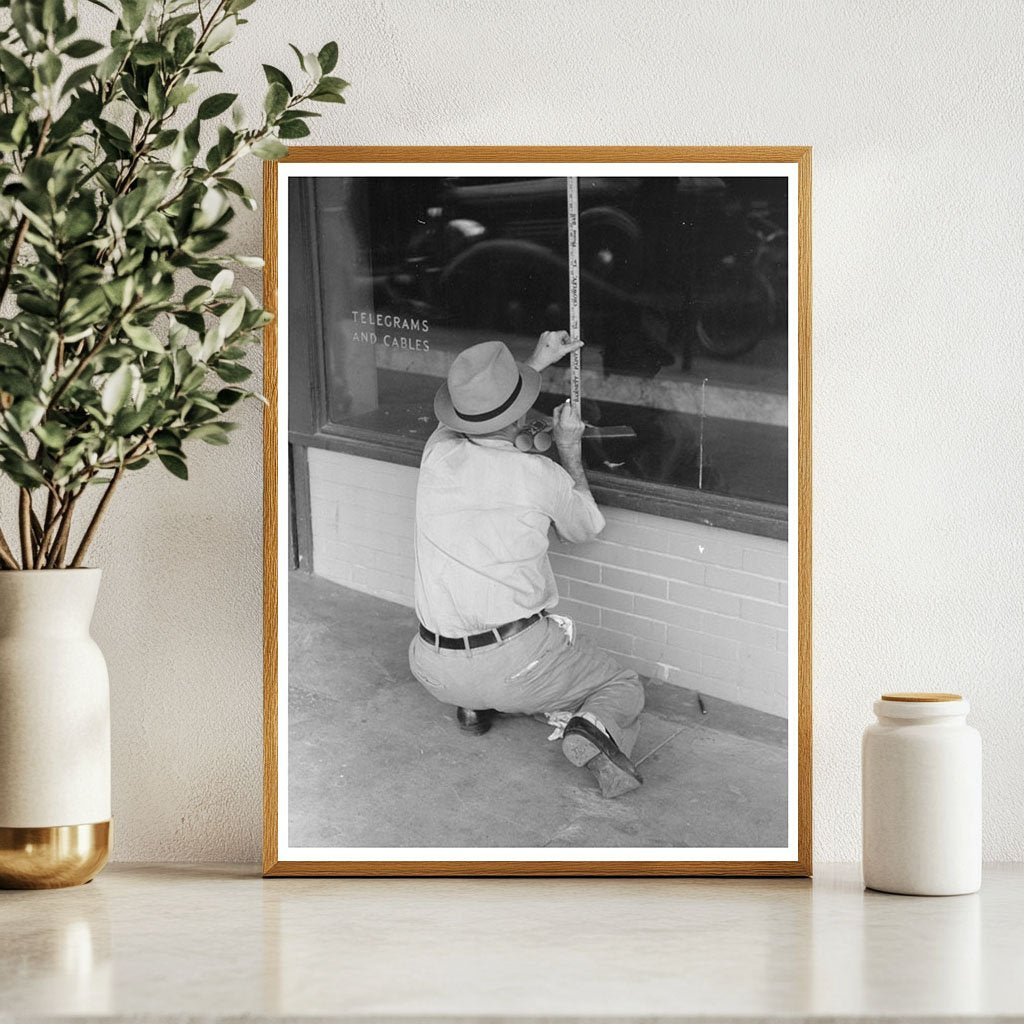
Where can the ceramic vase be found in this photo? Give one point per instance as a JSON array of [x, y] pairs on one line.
[[54, 731]]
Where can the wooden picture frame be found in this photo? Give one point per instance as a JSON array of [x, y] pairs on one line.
[[794, 161]]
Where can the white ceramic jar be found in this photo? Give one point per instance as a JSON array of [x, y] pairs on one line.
[[921, 778]]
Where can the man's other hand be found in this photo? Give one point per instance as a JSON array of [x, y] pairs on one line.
[[551, 346], [568, 427]]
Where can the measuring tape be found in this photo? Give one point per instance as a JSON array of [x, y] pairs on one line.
[[573, 201], [537, 437]]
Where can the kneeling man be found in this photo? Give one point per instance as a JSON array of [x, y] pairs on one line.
[[484, 585]]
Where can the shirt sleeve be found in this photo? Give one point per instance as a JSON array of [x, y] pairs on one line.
[[574, 513], [442, 433]]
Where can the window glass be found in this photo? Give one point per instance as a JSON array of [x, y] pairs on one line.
[[683, 295]]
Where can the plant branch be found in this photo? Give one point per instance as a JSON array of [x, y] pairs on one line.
[[60, 543], [25, 522], [37, 528], [22, 229], [94, 523], [6, 555], [88, 356], [51, 524]]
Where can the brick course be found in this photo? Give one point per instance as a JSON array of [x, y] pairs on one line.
[[677, 601]]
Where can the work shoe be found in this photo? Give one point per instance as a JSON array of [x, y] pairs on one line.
[[584, 744], [475, 722]]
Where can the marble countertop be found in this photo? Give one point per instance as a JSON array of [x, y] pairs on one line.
[[174, 942]]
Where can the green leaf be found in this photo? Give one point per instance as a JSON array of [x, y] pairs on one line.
[[193, 379], [232, 319], [21, 471], [116, 134], [162, 139], [222, 281], [116, 390], [293, 130], [181, 94], [276, 76], [129, 207], [26, 413], [36, 304], [216, 104], [78, 78], [167, 441], [328, 57], [221, 35], [49, 68], [164, 376], [53, 14], [133, 12], [143, 338], [232, 373], [12, 356], [175, 465], [11, 443], [211, 433], [53, 435], [196, 296], [227, 397], [156, 100], [323, 96], [82, 48], [334, 84], [276, 100], [128, 421], [269, 149], [185, 147], [25, 16], [211, 208], [66, 29], [16, 70], [149, 53], [109, 65], [184, 44], [311, 66]]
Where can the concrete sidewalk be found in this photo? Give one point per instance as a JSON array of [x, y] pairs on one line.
[[374, 760]]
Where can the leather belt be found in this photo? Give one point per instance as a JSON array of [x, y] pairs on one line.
[[485, 639]]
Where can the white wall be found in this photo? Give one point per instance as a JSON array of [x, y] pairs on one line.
[[914, 113]]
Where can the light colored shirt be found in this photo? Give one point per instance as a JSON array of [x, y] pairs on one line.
[[483, 512]]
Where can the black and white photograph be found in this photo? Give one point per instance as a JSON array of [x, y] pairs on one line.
[[538, 501]]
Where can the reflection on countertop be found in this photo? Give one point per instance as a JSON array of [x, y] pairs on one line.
[[178, 941]]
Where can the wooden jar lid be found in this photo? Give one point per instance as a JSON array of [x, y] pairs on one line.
[[921, 698]]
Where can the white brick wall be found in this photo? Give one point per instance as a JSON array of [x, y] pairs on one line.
[[680, 602]]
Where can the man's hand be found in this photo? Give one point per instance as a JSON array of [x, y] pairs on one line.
[[568, 427], [551, 346]]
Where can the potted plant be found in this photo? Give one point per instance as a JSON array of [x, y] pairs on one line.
[[122, 339]]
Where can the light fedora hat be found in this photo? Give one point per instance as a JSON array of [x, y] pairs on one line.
[[486, 390]]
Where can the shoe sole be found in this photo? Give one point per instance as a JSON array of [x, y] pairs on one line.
[[612, 778]]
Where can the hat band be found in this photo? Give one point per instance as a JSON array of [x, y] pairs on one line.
[[479, 417]]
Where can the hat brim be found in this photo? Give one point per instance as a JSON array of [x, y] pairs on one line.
[[446, 414]]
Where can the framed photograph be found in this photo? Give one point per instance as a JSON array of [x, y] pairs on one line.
[[538, 511]]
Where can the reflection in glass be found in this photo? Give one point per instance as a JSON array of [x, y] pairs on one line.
[[684, 309]]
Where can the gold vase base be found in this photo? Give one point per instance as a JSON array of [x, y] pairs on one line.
[[52, 857]]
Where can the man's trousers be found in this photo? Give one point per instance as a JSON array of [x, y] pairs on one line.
[[547, 667]]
